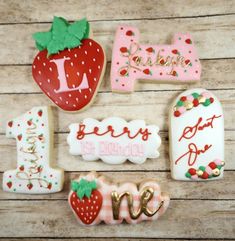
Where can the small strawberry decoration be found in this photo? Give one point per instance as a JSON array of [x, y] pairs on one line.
[[10, 123], [123, 50], [30, 186], [174, 73], [39, 169], [19, 137], [9, 184], [162, 62], [69, 65], [150, 50], [40, 137], [130, 33], [29, 122], [124, 72], [188, 41], [21, 168], [86, 200], [135, 58], [147, 72], [175, 51], [188, 62], [49, 186], [40, 113]]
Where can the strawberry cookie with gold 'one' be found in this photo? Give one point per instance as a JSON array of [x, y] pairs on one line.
[[70, 65]]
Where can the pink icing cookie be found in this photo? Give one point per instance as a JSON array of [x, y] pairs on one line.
[[93, 199], [131, 60]]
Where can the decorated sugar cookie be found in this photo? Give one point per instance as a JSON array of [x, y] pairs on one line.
[[93, 199], [70, 65], [114, 140], [196, 136], [176, 63], [34, 136]]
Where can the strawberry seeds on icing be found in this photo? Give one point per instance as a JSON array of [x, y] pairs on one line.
[[70, 77], [131, 60]]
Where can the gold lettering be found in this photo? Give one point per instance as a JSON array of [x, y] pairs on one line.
[[145, 196]]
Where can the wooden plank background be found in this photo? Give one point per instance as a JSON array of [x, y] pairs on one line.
[[204, 211]]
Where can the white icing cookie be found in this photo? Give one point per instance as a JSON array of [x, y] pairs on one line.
[[196, 136], [93, 199], [34, 135], [114, 140]]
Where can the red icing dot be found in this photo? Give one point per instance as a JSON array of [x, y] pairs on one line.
[[176, 113], [196, 71], [51, 175], [134, 71], [161, 73], [125, 129], [18, 125], [117, 63], [190, 51], [183, 98], [205, 175], [121, 28], [123, 85], [9, 176], [192, 171], [211, 100], [212, 165], [195, 102], [42, 124], [131, 40]]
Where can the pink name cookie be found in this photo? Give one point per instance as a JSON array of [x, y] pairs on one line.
[[131, 60]]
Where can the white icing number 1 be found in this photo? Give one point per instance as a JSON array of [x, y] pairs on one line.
[[33, 173]]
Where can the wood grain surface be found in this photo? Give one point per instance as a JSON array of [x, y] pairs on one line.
[[198, 211]]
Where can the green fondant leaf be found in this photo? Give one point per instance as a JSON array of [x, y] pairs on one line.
[[88, 192], [39, 47], [42, 39], [74, 186], [59, 28], [80, 193], [54, 47], [84, 188], [71, 41], [87, 33], [78, 28]]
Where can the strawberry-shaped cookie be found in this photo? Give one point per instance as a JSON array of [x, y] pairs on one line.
[[69, 66], [85, 200]]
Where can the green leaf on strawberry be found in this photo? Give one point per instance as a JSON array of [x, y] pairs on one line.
[[62, 35], [71, 41], [42, 39], [80, 25], [59, 28], [83, 188]]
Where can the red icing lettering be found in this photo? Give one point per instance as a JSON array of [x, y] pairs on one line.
[[191, 131], [143, 132], [192, 153]]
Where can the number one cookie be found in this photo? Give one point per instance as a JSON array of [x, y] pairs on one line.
[[33, 175], [196, 136], [131, 60]]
